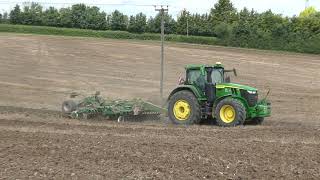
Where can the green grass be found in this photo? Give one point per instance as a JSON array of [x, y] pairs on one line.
[[44, 30]]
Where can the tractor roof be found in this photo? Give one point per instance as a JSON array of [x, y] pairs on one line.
[[202, 66]]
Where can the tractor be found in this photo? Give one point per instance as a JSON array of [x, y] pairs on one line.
[[207, 94]]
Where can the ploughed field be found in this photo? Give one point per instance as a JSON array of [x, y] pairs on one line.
[[38, 72]]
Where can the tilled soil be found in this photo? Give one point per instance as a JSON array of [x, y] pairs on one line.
[[38, 72]]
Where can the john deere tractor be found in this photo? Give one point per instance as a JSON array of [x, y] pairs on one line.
[[207, 93]]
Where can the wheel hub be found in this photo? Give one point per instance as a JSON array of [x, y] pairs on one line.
[[181, 110], [227, 114]]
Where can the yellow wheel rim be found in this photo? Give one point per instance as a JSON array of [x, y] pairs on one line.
[[227, 114], [181, 110]]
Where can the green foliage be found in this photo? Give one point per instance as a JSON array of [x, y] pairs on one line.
[[104, 34], [223, 26], [65, 19], [50, 17], [154, 24], [308, 12], [223, 31], [200, 25], [118, 21], [138, 23], [182, 20], [223, 11], [86, 17], [15, 15], [5, 18], [31, 15]]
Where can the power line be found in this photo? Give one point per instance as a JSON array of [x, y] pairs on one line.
[[71, 3]]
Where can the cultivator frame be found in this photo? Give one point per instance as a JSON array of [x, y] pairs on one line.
[[122, 110]]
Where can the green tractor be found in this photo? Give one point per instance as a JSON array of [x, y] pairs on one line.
[[207, 93]]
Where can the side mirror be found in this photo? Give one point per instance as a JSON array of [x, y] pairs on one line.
[[233, 70], [227, 79]]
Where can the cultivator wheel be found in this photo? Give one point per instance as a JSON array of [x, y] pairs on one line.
[[68, 107]]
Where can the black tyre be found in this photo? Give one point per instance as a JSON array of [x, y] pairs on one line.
[[68, 107], [183, 108], [230, 112]]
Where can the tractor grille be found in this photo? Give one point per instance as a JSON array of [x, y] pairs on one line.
[[251, 98]]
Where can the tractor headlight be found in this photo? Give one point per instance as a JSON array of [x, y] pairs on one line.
[[252, 92]]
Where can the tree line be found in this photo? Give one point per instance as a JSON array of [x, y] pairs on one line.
[[244, 28]]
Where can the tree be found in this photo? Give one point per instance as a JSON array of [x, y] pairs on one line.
[[15, 15], [138, 23], [182, 20], [118, 21], [223, 11], [32, 15], [78, 16], [154, 24], [5, 18], [141, 22], [65, 17], [308, 12], [223, 31], [50, 17], [151, 25], [108, 22], [243, 29], [95, 19]]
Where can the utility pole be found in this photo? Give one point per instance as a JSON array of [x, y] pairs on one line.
[[187, 25], [162, 10]]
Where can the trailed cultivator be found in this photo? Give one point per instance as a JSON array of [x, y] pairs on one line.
[[122, 110]]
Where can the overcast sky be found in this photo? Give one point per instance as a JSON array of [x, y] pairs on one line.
[[285, 7]]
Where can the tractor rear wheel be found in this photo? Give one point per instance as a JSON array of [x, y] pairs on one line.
[[230, 112], [184, 108]]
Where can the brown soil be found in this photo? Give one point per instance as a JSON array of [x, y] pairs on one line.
[[39, 72]]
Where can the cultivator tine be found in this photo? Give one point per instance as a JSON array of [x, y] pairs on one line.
[[150, 116]]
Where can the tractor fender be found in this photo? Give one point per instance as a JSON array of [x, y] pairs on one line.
[[190, 88]]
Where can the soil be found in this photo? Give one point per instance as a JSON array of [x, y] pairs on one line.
[[38, 72]]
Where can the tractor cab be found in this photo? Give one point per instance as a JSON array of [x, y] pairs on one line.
[[200, 75], [206, 77]]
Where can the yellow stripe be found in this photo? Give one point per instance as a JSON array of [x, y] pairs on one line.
[[224, 86]]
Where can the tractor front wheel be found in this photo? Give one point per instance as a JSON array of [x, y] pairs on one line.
[[230, 112], [184, 108]]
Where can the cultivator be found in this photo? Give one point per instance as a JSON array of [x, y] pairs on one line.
[[122, 110]]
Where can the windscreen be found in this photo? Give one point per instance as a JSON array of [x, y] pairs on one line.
[[217, 76]]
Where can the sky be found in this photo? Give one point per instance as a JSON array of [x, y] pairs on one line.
[[129, 7]]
